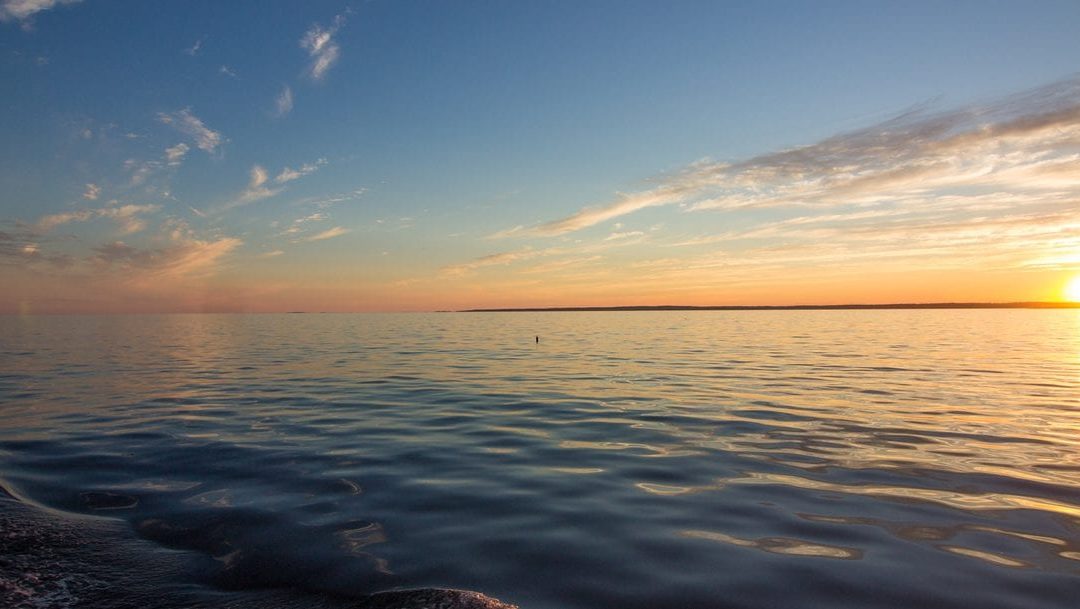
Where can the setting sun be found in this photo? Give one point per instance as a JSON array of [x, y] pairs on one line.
[[1072, 289]]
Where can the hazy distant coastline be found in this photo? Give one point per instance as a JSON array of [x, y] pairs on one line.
[[841, 307]]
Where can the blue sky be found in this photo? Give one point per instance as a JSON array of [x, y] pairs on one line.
[[398, 155]]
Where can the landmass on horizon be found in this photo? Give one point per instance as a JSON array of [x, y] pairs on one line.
[[803, 307]]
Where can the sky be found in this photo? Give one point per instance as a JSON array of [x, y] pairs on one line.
[[399, 155]]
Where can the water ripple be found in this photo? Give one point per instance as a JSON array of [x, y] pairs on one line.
[[749, 459]]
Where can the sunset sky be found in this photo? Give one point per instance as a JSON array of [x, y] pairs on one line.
[[400, 155]]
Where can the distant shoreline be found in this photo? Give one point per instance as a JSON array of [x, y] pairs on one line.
[[840, 307], [801, 307]]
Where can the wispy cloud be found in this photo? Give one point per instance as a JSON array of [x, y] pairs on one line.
[[1025, 142], [284, 102], [509, 232], [92, 192], [328, 201], [329, 233], [625, 204], [299, 225], [126, 216], [562, 265], [315, 217], [256, 189], [192, 126], [140, 170], [624, 235], [574, 253], [175, 155], [259, 183], [227, 71], [21, 10], [288, 174], [193, 50], [502, 258], [323, 50]]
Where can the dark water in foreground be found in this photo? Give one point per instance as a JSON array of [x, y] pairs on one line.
[[649, 459]]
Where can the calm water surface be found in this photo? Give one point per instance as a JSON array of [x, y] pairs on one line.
[[649, 459]]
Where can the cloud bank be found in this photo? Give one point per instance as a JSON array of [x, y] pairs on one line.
[[1025, 142], [12, 10], [184, 258], [126, 216]]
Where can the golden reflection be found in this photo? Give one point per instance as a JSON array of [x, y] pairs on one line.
[[577, 470], [955, 499], [1037, 538], [778, 545], [663, 489], [990, 557], [655, 451], [519, 431]]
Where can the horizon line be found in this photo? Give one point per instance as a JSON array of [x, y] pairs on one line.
[[613, 308], [794, 307]]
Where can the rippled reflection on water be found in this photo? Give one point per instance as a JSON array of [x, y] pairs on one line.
[[669, 459]]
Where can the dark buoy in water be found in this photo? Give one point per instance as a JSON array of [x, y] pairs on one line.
[[538, 340]]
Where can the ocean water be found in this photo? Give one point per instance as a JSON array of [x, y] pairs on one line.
[[744, 459]]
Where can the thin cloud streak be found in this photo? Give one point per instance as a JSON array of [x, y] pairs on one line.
[[174, 155], [502, 258], [627, 203], [284, 102], [329, 233], [577, 252]]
